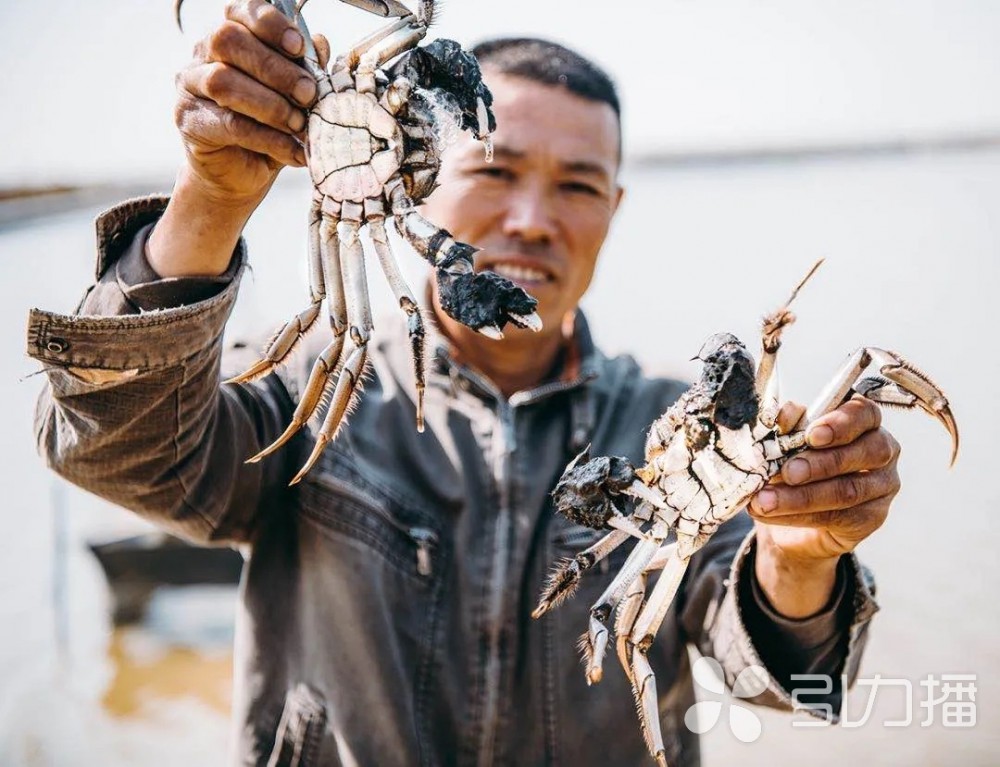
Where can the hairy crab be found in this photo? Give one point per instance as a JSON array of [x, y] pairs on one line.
[[706, 456], [374, 137]]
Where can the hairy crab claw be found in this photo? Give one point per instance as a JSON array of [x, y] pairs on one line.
[[898, 384], [486, 302]]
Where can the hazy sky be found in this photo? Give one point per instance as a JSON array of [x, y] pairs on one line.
[[88, 86]]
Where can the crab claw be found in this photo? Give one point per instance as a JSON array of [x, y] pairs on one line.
[[585, 491], [485, 301], [903, 385]]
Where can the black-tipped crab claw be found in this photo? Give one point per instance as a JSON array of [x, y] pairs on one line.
[[483, 301], [586, 492], [899, 384]]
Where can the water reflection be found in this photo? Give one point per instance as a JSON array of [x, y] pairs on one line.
[[182, 650]]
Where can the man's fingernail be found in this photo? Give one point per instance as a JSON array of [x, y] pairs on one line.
[[297, 121], [292, 42], [797, 471], [304, 90], [820, 436], [300, 156], [767, 500]]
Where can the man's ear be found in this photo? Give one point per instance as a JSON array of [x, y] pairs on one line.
[[617, 197]]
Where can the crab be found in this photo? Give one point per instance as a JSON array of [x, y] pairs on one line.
[[374, 138], [706, 456]]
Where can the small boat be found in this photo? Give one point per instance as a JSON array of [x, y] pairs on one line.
[[135, 567]]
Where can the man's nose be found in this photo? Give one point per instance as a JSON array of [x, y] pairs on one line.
[[529, 215]]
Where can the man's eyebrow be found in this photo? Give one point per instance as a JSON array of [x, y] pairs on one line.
[[586, 167], [507, 153]]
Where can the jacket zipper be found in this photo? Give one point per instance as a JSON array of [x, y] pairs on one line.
[[423, 537], [501, 556], [498, 585]]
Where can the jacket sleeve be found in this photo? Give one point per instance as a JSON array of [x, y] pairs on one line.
[[798, 664], [133, 409]]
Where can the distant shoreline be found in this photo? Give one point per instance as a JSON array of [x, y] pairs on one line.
[[21, 204]]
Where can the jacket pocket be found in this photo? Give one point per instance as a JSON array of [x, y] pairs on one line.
[[404, 539], [300, 729]]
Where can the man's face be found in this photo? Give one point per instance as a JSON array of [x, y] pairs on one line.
[[541, 210]]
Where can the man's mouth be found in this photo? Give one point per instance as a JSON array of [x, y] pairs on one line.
[[522, 274]]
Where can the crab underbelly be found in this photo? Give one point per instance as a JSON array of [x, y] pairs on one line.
[[355, 147], [712, 484]]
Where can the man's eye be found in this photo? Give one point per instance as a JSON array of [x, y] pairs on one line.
[[579, 187], [492, 171]]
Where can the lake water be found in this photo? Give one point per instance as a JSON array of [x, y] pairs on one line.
[[912, 244]]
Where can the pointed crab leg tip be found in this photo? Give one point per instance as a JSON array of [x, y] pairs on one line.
[[948, 421], [491, 331], [259, 370], [594, 676], [954, 445], [302, 473], [530, 321], [539, 611]]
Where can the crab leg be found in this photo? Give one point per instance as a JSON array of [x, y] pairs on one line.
[[326, 363], [635, 638], [415, 323], [384, 8], [628, 608], [647, 704], [564, 579], [461, 290], [902, 385], [632, 655], [310, 56], [356, 67], [360, 330], [772, 328], [287, 338], [594, 643]]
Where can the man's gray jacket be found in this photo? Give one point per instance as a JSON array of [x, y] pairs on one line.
[[384, 607]]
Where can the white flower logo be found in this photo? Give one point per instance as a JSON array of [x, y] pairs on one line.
[[704, 715]]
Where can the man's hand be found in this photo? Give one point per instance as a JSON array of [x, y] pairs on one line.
[[241, 110], [828, 499]]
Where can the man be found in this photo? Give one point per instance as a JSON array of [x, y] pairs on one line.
[[384, 606]]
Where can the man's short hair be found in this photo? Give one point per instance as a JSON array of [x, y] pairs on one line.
[[549, 63]]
